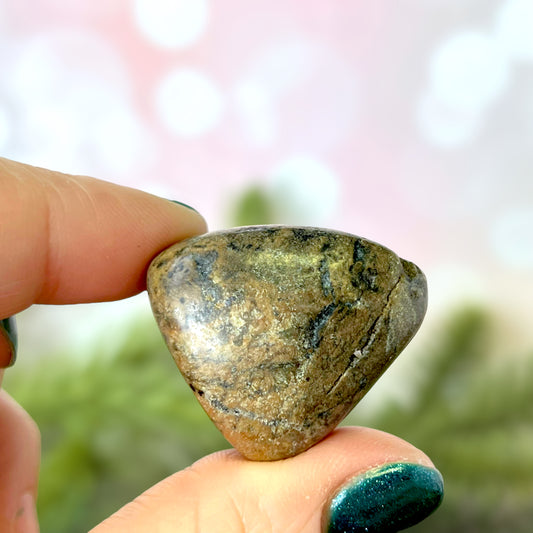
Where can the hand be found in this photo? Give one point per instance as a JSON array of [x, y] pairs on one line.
[[69, 239]]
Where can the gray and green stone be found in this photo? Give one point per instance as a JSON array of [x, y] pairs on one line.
[[280, 331]]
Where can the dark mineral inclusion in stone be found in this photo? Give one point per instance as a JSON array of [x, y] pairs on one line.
[[280, 331]]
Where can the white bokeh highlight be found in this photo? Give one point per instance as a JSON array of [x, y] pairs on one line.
[[444, 126], [306, 190], [188, 102], [52, 65], [469, 71], [66, 90], [172, 23], [511, 238], [514, 29], [52, 136]]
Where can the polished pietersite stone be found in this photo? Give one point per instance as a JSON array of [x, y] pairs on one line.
[[280, 331]]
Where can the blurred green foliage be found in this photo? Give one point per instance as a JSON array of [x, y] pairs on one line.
[[253, 207], [111, 427], [117, 424], [473, 417]]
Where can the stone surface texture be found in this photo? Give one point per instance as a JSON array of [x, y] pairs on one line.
[[280, 331]]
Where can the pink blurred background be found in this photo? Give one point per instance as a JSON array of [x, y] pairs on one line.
[[410, 123]]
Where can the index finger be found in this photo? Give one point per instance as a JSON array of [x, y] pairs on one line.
[[74, 239]]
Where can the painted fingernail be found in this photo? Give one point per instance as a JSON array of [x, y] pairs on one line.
[[388, 498], [8, 330], [26, 517], [184, 205]]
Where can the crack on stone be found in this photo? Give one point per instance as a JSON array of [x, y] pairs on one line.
[[370, 338], [356, 355]]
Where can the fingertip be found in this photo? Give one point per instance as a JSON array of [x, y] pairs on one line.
[[226, 492], [391, 497], [84, 239], [189, 211], [379, 445]]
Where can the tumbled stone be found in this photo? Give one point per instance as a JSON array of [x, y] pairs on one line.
[[280, 331]]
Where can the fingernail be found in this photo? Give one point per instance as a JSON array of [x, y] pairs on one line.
[[388, 498], [9, 331], [184, 205], [26, 518]]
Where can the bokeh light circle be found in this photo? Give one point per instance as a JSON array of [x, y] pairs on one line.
[[307, 191], [511, 238], [444, 126], [469, 71], [514, 28], [188, 102], [172, 23]]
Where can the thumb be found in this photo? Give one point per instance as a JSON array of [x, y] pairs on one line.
[[357, 479]]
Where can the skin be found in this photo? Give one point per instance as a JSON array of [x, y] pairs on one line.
[[72, 239]]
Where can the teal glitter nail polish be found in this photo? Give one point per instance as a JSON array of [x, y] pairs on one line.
[[184, 205], [386, 499], [9, 330]]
